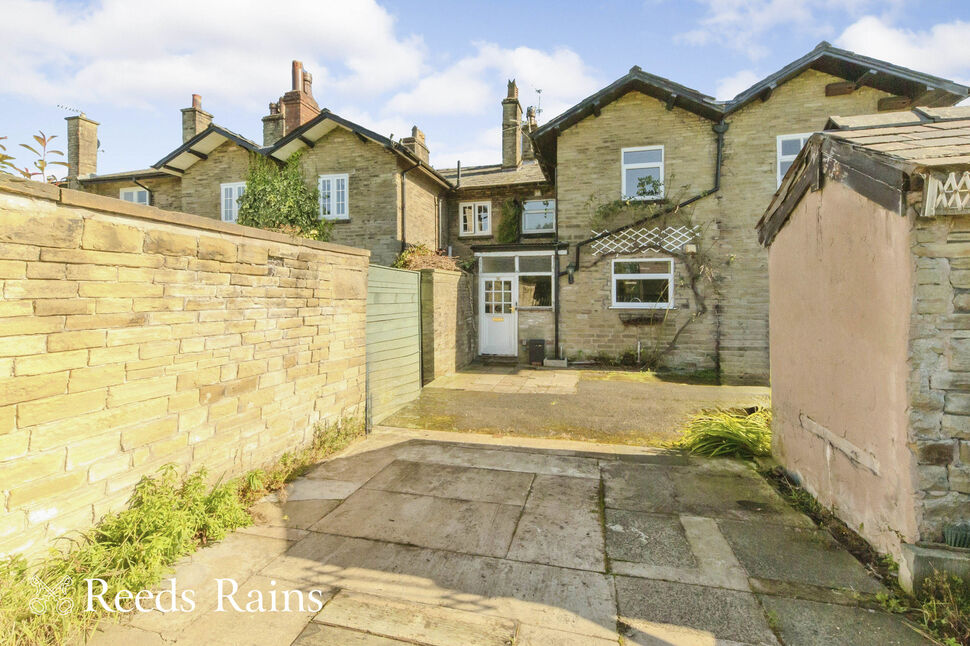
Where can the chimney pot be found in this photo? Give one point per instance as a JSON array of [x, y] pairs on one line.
[[197, 101], [297, 74]]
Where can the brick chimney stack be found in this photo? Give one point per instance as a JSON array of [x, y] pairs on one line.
[[274, 124], [298, 105], [194, 119], [511, 128], [530, 127], [415, 143], [82, 148]]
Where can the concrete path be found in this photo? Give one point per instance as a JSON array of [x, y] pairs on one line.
[[592, 405], [442, 539]]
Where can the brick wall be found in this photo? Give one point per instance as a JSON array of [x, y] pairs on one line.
[[449, 331], [939, 382], [497, 195], [422, 199], [132, 337]]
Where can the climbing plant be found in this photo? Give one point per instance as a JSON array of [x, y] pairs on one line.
[[281, 199], [510, 228]]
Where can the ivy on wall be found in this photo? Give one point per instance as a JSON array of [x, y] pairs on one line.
[[510, 228]]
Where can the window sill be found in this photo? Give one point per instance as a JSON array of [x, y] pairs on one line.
[[532, 234], [474, 235], [335, 220], [641, 308], [635, 198]]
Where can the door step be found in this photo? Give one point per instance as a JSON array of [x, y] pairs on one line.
[[498, 360]]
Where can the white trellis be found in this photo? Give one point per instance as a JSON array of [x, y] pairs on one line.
[[947, 195], [668, 239]]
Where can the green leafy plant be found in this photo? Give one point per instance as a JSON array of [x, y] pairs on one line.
[[42, 165], [740, 433], [510, 228], [280, 199]]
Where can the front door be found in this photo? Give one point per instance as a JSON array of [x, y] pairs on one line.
[[499, 328]]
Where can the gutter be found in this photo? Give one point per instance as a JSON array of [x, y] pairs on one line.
[[719, 129]]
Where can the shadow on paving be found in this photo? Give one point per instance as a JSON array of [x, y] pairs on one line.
[[429, 539], [608, 407]]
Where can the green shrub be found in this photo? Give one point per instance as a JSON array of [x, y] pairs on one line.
[[740, 433], [510, 227], [167, 517], [280, 199]]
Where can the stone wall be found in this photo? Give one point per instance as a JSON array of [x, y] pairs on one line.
[[132, 337], [166, 190], [497, 195], [939, 378], [449, 331], [422, 198], [201, 182]]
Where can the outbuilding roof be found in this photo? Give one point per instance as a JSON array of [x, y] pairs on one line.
[[882, 157], [493, 175]]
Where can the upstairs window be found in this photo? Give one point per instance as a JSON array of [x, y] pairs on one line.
[[230, 200], [643, 173], [475, 218], [788, 148], [539, 216], [135, 195], [643, 283], [333, 197]]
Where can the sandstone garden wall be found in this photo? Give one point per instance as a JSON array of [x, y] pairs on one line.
[[449, 331], [939, 372], [132, 337]]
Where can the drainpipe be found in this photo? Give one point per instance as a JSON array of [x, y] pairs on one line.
[[555, 266], [719, 129], [151, 194], [404, 206]]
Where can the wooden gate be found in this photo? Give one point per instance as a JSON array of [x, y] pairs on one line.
[[393, 340]]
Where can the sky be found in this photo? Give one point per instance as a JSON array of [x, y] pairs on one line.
[[132, 65]]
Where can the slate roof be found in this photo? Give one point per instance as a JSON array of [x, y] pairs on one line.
[[494, 175]]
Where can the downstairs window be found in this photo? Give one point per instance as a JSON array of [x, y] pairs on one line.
[[643, 283]]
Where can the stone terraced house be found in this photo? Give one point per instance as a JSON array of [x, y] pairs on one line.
[[686, 286]]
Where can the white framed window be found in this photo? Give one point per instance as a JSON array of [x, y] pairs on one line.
[[334, 202], [475, 219], [231, 192], [136, 195], [534, 271], [788, 148], [539, 216], [641, 168], [643, 283]]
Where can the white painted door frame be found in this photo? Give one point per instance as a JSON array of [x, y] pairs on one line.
[[499, 325]]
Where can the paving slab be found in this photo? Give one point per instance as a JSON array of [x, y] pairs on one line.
[[505, 460], [807, 623], [564, 599], [466, 526], [415, 623], [112, 634], [560, 525], [296, 514], [528, 635], [654, 539], [286, 609], [725, 614], [320, 635], [797, 555], [237, 557], [320, 489], [360, 466], [449, 481]]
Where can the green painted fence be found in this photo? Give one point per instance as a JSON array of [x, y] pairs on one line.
[[393, 340]]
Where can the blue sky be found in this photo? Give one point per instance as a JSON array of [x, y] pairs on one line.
[[131, 65]]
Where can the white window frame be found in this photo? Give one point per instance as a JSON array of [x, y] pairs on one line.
[[517, 272], [624, 166], [474, 231], [333, 203], [233, 207], [669, 305], [134, 190], [779, 158], [550, 206]]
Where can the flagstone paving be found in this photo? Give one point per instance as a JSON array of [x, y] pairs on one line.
[[594, 405], [443, 539]]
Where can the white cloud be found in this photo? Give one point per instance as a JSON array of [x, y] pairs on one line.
[[731, 86], [132, 53], [941, 50], [746, 25], [476, 84]]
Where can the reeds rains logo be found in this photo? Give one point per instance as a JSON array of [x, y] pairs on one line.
[[50, 598]]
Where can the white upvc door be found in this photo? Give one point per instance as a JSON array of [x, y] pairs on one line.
[[499, 322]]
